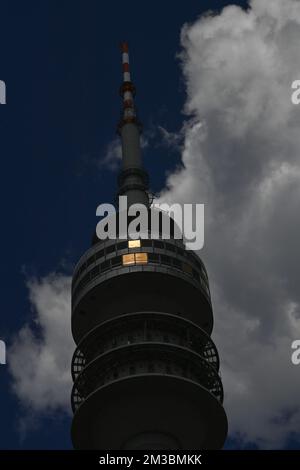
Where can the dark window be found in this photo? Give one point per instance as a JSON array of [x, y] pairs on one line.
[[110, 249], [99, 254], [122, 245], [85, 280], [116, 261], [90, 260], [95, 271], [104, 266], [82, 268], [170, 247], [158, 244], [165, 259], [147, 243], [153, 258], [177, 263]]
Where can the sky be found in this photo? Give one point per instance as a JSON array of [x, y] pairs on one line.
[[213, 93]]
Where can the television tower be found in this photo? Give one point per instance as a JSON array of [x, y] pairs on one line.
[[145, 369]]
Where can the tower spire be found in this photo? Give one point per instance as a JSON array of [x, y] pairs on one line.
[[133, 180], [127, 90]]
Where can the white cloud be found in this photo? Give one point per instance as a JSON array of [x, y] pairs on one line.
[[172, 140], [112, 156], [241, 157], [40, 356], [113, 153]]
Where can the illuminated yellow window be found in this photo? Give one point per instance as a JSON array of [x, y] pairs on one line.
[[135, 258], [141, 258], [128, 259], [134, 243]]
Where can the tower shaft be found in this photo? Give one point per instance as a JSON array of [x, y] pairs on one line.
[[133, 180]]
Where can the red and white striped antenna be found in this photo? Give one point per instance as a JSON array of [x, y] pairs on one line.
[[127, 90]]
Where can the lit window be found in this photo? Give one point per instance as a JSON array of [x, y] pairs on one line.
[[134, 243], [141, 258], [128, 259], [135, 258]]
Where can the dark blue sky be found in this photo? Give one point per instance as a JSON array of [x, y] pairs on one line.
[[61, 64]]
